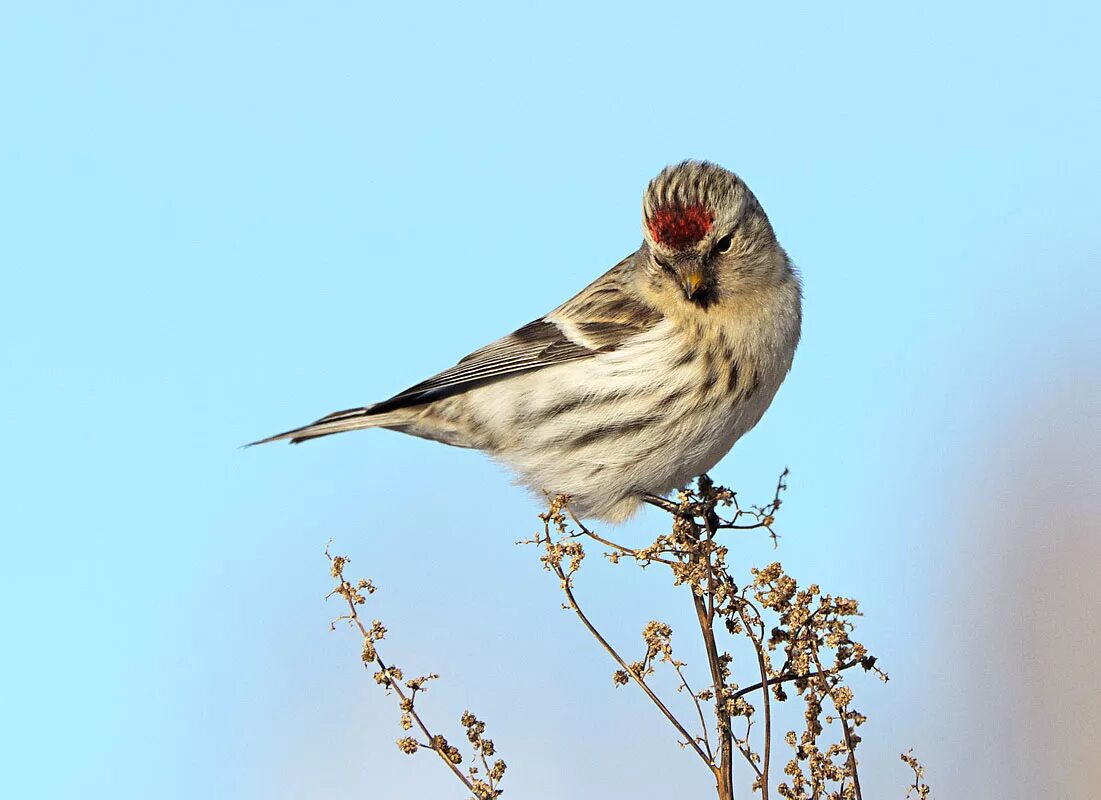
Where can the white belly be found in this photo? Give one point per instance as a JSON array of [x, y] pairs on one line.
[[644, 419]]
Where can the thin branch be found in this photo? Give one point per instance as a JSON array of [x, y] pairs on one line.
[[757, 646], [619, 660], [725, 770], [711, 522], [706, 617], [730, 526], [793, 676], [746, 751], [345, 591], [665, 505], [628, 551], [699, 709], [488, 771], [851, 749]]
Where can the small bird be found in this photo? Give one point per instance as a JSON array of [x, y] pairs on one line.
[[640, 382]]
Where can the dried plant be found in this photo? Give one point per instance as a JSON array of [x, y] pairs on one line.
[[482, 782], [919, 789], [801, 640]]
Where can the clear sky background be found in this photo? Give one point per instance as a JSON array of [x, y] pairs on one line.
[[221, 220]]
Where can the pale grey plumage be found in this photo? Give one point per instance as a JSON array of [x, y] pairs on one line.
[[641, 381]]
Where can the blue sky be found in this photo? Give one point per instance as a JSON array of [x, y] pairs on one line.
[[220, 220]]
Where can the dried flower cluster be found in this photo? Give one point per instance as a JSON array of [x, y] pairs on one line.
[[481, 781], [919, 788], [801, 640], [809, 630]]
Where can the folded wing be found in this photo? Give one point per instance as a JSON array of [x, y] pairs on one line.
[[598, 319]]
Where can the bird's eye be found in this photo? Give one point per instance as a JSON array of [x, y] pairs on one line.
[[723, 245]]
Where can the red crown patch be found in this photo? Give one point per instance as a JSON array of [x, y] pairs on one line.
[[680, 227]]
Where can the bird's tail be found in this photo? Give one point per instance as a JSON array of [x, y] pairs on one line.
[[337, 422]]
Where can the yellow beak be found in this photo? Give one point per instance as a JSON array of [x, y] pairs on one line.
[[692, 279]]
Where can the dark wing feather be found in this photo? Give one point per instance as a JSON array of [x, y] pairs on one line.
[[602, 316], [536, 345]]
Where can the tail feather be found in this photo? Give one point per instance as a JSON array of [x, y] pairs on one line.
[[339, 421]]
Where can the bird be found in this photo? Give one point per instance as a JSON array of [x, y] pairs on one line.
[[643, 380]]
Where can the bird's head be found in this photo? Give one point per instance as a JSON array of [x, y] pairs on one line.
[[706, 236]]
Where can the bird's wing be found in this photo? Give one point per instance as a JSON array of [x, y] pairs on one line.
[[597, 320]]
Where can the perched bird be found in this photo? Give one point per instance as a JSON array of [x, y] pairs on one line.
[[640, 382]]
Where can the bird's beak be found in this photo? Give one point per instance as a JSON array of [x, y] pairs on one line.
[[692, 280]]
